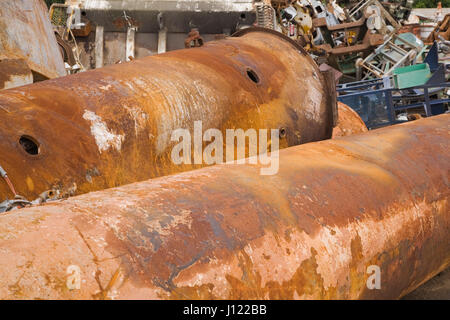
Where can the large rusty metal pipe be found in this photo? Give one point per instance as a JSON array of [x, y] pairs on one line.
[[349, 122], [113, 125], [336, 211]]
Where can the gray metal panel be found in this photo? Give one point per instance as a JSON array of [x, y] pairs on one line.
[[176, 16]]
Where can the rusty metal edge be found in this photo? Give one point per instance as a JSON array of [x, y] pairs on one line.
[[245, 31]]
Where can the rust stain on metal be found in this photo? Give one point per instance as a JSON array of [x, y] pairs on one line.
[[124, 22], [14, 73], [193, 39], [335, 208], [442, 30], [113, 125], [349, 122]]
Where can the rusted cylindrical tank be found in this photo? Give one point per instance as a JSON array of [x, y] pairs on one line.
[[113, 125], [349, 122], [338, 214]]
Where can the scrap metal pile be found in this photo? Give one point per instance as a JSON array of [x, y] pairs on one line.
[[361, 39], [388, 71], [89, 184]]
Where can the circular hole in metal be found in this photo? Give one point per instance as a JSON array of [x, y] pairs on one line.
[[83, 13], [29, 144], [243, 16], [283, 132], [252, 75]]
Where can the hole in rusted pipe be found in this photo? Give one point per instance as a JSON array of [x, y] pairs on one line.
[[252, 75], [29, 144]]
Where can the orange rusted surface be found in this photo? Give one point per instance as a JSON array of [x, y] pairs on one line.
[[113, 126], [334, 209], [27, 34], [14, 73], [442, 30], [349, 122]]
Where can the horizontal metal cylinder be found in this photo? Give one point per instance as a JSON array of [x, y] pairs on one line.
[[337, 212], [112, 126], [349, 122]]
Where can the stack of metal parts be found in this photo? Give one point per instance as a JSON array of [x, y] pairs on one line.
[[382, 68], [361, 40], [338, 33], [418, 90], [396, 51]]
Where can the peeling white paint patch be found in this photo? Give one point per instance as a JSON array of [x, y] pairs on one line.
[[103, 136], [105, 88], [18, 80]]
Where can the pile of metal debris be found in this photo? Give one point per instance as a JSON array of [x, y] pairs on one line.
[[362, 39], [387, 70], [403, 92]]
